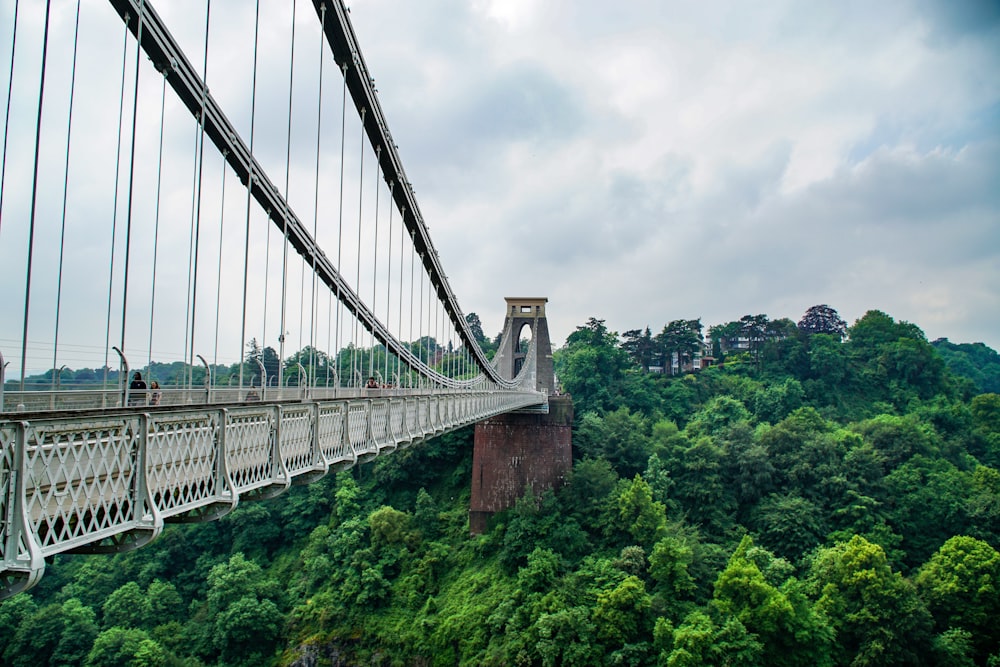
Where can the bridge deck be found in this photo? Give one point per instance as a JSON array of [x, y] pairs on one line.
[[106, 480]]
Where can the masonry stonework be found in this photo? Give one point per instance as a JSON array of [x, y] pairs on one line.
[[515, 451]]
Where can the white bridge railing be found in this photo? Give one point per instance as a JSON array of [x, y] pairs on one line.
[[107, 481]]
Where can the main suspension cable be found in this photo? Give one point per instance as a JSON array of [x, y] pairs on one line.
[[6, 120]]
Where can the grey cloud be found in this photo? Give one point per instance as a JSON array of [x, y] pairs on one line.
[[951, 20]]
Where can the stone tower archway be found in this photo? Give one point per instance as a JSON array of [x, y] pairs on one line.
[[525, 448]]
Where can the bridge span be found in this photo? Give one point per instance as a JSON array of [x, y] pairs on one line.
[[107, 480], [140, 154]]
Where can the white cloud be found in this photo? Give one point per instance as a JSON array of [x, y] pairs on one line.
[[638, 162]]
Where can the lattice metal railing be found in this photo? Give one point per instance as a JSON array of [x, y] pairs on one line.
[[107, 482]]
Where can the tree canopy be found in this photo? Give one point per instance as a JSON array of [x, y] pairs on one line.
[[815, 499]]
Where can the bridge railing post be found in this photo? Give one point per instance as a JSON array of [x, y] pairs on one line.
[[223, 477], [147, 514], [23, 563]]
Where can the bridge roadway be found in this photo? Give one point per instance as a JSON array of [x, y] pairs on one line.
[[98, 481]]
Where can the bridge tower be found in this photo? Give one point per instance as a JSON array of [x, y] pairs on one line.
[[528, 447]]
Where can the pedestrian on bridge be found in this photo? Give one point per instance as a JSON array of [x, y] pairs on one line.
[[137, 390], [154, 394]]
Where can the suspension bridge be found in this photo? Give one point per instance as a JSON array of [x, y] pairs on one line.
[[148, 222]]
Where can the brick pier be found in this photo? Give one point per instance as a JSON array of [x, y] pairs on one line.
[[514, 451]]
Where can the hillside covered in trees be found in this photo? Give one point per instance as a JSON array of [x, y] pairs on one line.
[[811, 499]]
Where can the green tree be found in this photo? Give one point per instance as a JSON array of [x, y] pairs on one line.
[[669, 565], [929, 504], [791, 634], [476, 327], [974, 361], [876, 615], [56, 634], [644, 518], [985, 410], [699, 641], [622, 437], [118, 647], [591, 367], [700, 488], [718, 416], [789, 524], [566, 637], [247, 631], [961, 584], [165, 603], [242, 613], [750, 471], [14, 612], [640, 346], [777, 401], [827, 361], [588, 496], [390, 526], [984, 504], [127, 607], [954, 648], [897, 362], [823, 319], [680, 339], [621, 613]]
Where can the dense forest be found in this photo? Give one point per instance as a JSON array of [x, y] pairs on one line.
[[822, 495]]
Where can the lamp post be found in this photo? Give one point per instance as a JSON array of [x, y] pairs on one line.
[[263, 377], [303, 386], [122, 373], [208, 379]]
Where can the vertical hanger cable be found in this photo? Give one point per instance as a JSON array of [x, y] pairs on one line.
[[114, 212], [34, 194], [62, 227], [131, 169], [156, 221], [246, 237]]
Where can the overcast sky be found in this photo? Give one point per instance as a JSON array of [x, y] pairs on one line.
[[646, 160], [636, 162]]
